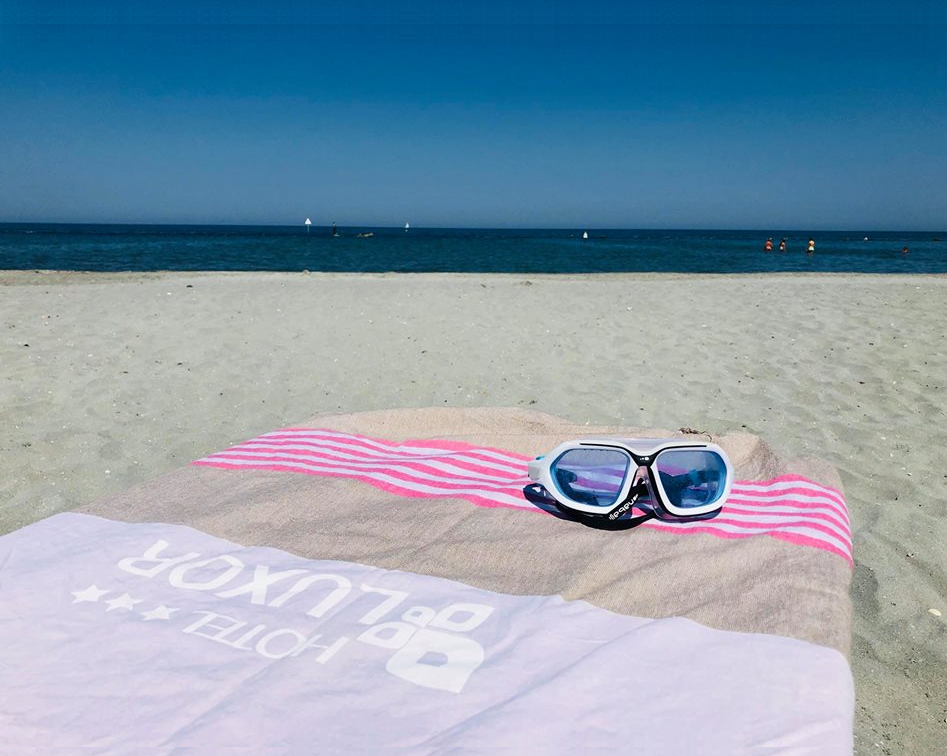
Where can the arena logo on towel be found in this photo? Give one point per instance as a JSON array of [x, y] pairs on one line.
[[431, 646]]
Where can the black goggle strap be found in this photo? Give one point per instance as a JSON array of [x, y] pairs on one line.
[[612, 521], [638, 490]]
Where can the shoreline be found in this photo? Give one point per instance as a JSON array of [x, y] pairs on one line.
[[130, 375], [24, 277]]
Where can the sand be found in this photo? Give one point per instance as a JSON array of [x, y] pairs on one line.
[[110, 380]]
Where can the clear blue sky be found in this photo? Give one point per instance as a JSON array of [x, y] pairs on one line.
[[547, 114]]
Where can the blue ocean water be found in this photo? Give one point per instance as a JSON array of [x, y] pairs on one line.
[[284, 248]]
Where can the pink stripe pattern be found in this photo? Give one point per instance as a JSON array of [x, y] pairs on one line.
[[790, 507]]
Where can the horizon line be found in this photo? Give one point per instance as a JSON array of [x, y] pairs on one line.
[[370, 226]]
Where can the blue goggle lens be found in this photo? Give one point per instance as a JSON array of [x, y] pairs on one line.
[[691, 477], [591, 476]]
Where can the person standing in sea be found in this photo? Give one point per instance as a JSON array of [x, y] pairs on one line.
[[811, 247], [782, 245]]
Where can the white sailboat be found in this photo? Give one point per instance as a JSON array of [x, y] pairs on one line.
[[407, 226], [585, 234], [308, 224]]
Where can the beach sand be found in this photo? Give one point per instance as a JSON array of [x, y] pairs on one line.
[[107, 381]]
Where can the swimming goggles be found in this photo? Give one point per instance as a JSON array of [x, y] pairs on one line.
[[670, 479]]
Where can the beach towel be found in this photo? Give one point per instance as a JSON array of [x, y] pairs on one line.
[[384, 580]]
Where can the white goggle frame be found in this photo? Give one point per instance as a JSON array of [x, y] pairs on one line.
[[642, 453]]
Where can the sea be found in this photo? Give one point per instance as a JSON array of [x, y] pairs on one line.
[[94, 247]]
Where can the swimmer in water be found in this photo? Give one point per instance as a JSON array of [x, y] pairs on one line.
[[811, 246]]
